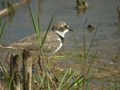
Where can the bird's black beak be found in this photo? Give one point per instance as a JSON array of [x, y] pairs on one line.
[[70, 29]]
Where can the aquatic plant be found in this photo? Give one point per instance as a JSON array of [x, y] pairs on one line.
[[3, 23]]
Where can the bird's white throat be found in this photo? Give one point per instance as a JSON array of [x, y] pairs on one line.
[[62, 34]]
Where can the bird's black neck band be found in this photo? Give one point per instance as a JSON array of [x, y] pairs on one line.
[[62, 39]]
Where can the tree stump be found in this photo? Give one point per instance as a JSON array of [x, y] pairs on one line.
[[15, 72], [27, 70]]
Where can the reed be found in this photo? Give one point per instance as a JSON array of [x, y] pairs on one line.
[[3, 23]]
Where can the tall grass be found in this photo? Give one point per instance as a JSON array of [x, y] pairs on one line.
[[46, 81], [3, 70], [3, 23], [36, 25]]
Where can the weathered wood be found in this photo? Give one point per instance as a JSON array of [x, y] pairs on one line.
[[6, 10], [15, 64], [27, 70], [15, 72]]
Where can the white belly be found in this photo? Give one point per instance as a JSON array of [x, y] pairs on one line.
[[59, 47]]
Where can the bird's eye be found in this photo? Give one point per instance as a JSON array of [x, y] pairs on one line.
[[66, 26]]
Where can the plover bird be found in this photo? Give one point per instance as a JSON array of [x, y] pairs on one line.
[[53, 43]]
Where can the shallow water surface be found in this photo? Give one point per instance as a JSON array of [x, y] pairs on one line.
[[101, 13]]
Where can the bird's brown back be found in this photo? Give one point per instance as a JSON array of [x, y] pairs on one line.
[[33, 43]]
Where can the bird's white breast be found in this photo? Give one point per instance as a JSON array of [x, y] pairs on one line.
[[60, 45]]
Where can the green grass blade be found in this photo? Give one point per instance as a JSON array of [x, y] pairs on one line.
[[40, 78], [11, 80], [38, 17], [0, 22], [33, 18], [49, 85], [2, 29], [38, 26], [79, 79], [45, 78], [69, 76], [50, 23], [115, 85], [47, 81], [87, 84], [62, 80]]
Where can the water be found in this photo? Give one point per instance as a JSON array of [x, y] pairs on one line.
[[101, 13]]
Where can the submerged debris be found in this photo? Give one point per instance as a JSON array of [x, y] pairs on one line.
[[91, 27], [81, 6], [118, 10]]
